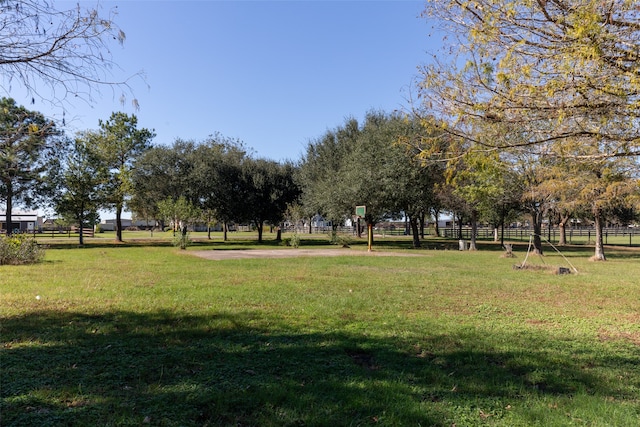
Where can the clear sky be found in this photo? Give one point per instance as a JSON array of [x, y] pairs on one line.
[[274, 74]]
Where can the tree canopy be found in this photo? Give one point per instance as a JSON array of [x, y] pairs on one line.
[[83, 184], [28, 156], [119, 145], [555, 70]]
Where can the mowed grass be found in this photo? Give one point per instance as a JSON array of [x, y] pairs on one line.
[[150, 335]]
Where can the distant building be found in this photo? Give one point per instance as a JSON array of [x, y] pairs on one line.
[[21, 222], [110, 224]]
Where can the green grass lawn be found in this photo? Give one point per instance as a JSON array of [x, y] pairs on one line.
[[145, 334]]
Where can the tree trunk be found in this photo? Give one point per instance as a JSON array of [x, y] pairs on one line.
[[81, 234], [421, 219], [8, 216], [80, 219], [225, 229], [310, 225], [118, 223], [436, 226], [562, 230], [460, 227], [279, 234], [414, 231], [501, 225], [474, 230], [183, 236], [259, 226], [536, 218], [599, 255]]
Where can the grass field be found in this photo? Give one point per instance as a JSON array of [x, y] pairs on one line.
[[145, 334]]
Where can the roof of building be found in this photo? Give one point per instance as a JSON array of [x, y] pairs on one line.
[[17, 216]]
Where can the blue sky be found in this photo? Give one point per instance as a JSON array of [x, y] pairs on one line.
[[274, 74]]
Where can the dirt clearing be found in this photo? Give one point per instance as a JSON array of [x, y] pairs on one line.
[[223, 254]]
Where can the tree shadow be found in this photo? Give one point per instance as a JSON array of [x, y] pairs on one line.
[[159, 368], [106, 244]]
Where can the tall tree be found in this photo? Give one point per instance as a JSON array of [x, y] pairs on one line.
[[322, 173], [608, 185], [369, 178], [369, 164], [563, 76], [83, 184], [120, 144], [28, 156], [413, 181], [217, 175], [162, 172], [267, 189], [67, 50]]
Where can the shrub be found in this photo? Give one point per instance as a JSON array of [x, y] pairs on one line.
[[181, 241], [19, 249], [341, 239], [295, 240]]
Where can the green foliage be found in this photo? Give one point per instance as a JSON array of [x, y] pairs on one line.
[[580, 80], [20, 249], [370, 163], [268, 189], [29, 156], [119, 144], [180, 212], [84, 181], [295, 240], [181, 240], [340, 239]]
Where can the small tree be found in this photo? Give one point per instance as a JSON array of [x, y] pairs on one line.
[[480, 182], [295, 215], [83, 184], [180, 213]]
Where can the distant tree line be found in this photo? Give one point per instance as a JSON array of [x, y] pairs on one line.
[[380, 162]]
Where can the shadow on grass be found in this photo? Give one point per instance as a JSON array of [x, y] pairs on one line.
[[104, 244], [65, 368]]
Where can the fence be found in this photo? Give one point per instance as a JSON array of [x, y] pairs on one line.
[[612, 235], [64, 232]]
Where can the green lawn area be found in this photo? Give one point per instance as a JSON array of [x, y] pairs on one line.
[[142, 333]]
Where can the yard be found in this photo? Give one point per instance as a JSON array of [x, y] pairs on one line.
[[146, 334]]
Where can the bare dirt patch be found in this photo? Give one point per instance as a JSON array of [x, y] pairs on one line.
[[224, 254]]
